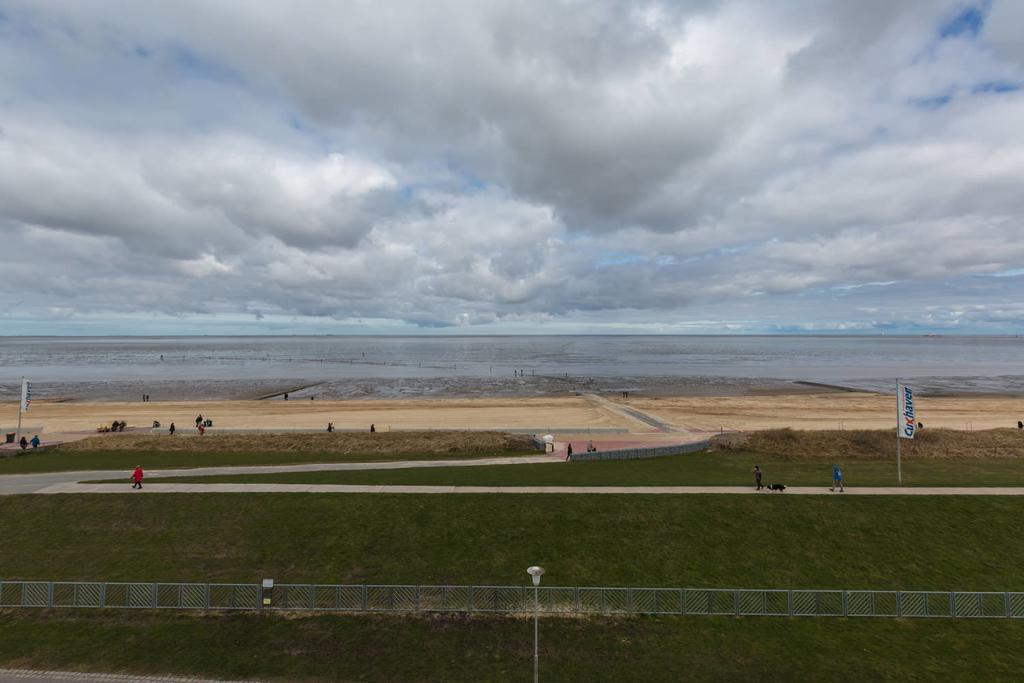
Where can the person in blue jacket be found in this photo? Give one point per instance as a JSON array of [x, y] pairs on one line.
[[837, 478]]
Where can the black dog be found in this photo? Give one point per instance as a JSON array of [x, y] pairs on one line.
[[777, 487]]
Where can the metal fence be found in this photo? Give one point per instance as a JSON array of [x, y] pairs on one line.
[[516, 599], [638, 453]]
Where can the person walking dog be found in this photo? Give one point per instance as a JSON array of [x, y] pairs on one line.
[[137, 477]]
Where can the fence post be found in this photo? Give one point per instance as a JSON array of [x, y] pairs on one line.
[[1006, 605], [206, 595], [845, 604], [789, 602], [49, 595], [682, 601], [736, 602], [629, 600], [952, 604], [365, 599], [899, 603]]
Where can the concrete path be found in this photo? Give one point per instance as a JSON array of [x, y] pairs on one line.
[[31, 483], [630, 413], [617, 490]]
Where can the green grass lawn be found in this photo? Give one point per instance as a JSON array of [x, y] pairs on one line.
[[770, 541], [697, 469], [458, 648], [56, 460]]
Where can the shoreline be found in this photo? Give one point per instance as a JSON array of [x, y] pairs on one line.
[[493, 387]]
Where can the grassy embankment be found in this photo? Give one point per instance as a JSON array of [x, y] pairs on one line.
[[441, 647], [118, 452], [718, 541], [796, 458], [772, 541]]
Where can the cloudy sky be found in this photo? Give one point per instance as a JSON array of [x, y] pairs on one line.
[[226, 166]]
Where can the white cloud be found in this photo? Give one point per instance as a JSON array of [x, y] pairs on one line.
[[519, 163]]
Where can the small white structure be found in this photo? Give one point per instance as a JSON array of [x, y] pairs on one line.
[[549, 443]]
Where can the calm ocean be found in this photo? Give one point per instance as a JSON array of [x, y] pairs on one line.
[[244, 367]]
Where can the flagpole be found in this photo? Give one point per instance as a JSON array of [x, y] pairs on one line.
[[17, 437], [899, 465]]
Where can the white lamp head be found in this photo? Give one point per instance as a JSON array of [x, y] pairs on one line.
[[536, 573]]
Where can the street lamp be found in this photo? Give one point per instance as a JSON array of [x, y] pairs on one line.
[[535, 573]]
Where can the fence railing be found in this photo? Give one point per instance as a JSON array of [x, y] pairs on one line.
[[515, 599], [638, 453]]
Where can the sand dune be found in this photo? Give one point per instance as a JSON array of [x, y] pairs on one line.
[[829, 411]]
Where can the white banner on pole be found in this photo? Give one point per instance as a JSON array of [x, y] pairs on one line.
[[907, 424], [26, 394]]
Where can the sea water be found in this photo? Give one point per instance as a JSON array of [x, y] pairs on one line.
[[118, 368]]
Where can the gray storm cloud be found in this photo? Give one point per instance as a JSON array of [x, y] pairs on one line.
[[482, 163]]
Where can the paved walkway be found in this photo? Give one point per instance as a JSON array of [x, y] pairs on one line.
[[19, 675], [618, 490], [32, 483], [631, 413]]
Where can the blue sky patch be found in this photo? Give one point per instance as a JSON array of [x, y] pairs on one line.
[[937, 102], [192, 64], [996, 87], [968, 21]]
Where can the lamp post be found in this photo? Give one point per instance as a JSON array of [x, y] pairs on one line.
[[535, 573]]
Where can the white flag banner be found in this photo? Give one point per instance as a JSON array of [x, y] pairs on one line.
[[26, 395], [907, 424]]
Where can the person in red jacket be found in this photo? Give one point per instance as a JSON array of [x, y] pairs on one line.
[[137, 477]]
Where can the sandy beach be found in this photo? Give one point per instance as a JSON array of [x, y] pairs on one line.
[[680, 416], [539, 414], [838, 410]]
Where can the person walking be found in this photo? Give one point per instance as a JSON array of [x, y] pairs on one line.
[[137, 477], [837, 478], [568, 453], [35, 441], [757, 477], [373, 428], [23, 443], [199, 419], [172, 429]]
